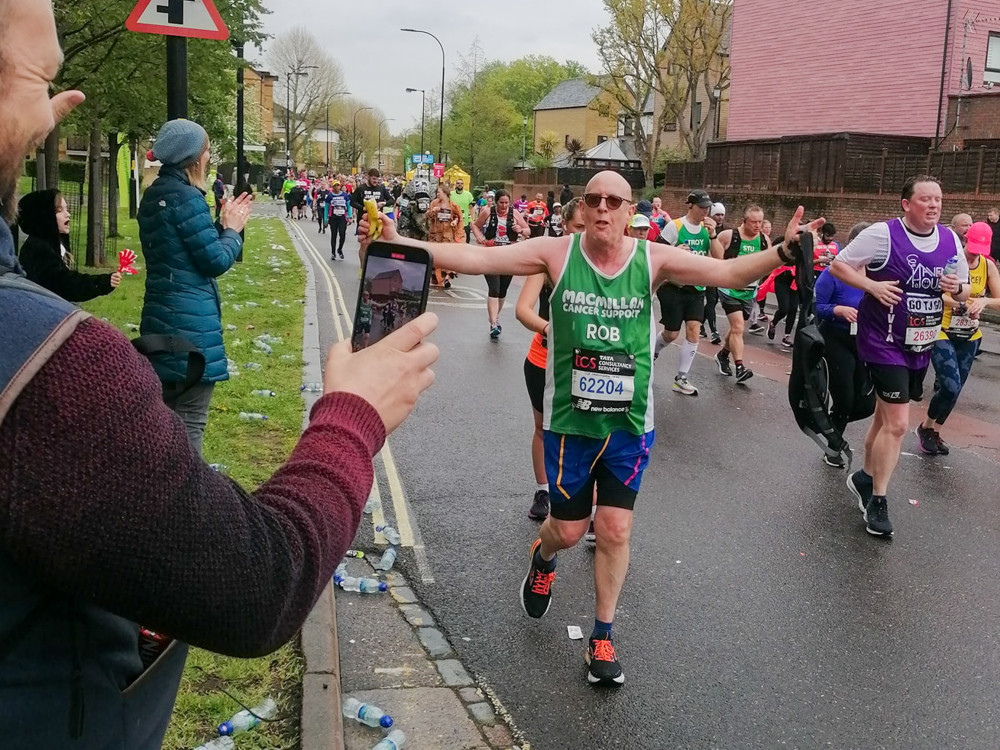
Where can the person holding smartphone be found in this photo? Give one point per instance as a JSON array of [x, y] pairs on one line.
[[598, 419]]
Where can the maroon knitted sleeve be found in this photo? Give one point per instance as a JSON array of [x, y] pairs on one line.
[[101, 497]]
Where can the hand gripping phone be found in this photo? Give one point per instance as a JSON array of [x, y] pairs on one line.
[[394, 287]]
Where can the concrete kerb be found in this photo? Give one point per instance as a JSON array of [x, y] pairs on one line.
[[322, 725]]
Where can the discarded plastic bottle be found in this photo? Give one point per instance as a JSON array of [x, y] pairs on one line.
[[263, 393], [313, 388], [219, 743], [392, 741], [355, 553], [386, 562], [366, 713], [218, 467], [230, 327], [372, 504], [252, 416], [266, 348], [390, 534], [237, 307], [252, 304], [363, 585], [340, 573], [245, 719], [252, 366]]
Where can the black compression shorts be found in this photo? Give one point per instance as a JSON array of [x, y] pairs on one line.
[[498, 285]]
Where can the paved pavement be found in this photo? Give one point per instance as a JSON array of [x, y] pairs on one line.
[[757, 612]]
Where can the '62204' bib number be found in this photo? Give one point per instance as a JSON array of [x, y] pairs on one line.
[[603, 382]]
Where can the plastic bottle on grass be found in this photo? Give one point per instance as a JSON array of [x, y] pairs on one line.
[[363, 585], [390, 534], [366, 713], [313, 388], [245, 720], [252, 416], [387, 560], [263, 393], [392, 741], [219, 743], [264, 347], [252, 366]]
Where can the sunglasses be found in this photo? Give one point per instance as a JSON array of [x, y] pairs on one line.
[[593, 200]]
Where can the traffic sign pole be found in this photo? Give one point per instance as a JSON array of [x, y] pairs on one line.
[[177, 77]]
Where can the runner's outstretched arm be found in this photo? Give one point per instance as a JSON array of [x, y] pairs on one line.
[[682, 267], [521, 259]]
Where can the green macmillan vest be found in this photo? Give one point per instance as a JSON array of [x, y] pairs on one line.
[[599, 377], [739, 247], [70, 672], [697, 242]]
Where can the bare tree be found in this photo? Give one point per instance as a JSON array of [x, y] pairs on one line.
[[310, 81]]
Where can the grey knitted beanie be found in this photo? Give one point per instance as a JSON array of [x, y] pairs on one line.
[[179, 143]]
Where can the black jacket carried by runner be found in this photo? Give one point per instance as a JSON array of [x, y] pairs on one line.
[[363, 192]]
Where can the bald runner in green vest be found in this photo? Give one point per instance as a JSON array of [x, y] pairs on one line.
[[598, 393]]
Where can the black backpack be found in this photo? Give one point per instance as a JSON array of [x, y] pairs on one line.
[[809, 384]]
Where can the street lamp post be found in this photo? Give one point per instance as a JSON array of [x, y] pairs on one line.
[[524, 142], [441, 122], [297, 71], [380, 124], [354, 148], [423, 96]]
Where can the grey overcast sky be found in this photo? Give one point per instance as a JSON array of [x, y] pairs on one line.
[[380, 62]]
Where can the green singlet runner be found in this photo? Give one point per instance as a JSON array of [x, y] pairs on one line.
[[698, 242], [747, 247], [599, 372]]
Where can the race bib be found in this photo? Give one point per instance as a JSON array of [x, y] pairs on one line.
[[444, 215], [339, 211], [962, 326], [925, 313], [603, 382]]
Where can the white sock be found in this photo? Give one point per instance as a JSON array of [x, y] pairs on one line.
[[660, 343], [543, 486], [688, 352]]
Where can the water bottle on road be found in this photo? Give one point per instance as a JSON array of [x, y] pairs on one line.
[[340, 573], [393, 741], [245, 719], [387, 561], [371, 505], [367, 714], [390, 534], [252, 416], [355, 553], [263, 393], [362, 585]]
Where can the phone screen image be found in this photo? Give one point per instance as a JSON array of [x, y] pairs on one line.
[[393, 291]]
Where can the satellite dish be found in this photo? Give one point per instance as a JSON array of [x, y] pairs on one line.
[[968, 73]]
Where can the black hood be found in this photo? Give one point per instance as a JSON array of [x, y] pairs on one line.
[[37, 216]]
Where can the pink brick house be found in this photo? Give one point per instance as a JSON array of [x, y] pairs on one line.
[[879, 65]]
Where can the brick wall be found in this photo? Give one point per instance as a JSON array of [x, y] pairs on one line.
[[844, 210], [979, 121]]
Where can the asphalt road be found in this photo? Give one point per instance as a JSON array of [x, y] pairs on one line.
[[757, 612]]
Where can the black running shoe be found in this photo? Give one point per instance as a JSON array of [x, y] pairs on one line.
[[723, 362], [861, 488], [836, 462], [743, 374], [603, 662], [341, 256], [877, 517], [756, 329], [927, 440], [716, 338], [943, 449], [539, 510], [536, 589]]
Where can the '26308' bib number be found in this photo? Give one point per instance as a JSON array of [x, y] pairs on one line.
[[603, 382], [925, 313]]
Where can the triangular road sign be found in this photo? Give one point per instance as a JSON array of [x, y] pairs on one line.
[[192, 18]]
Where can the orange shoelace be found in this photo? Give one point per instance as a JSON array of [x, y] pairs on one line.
[[604, 650], [542, 582]]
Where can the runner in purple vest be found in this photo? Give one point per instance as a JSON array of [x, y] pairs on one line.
[[900, 266]]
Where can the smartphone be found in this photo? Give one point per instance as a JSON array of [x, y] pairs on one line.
[[394, 286]]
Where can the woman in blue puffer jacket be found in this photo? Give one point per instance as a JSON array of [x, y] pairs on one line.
[[184, 253]]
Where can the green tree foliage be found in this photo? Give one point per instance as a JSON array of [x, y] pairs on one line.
[[487, 105]]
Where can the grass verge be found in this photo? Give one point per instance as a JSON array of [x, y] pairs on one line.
[[251, 452]]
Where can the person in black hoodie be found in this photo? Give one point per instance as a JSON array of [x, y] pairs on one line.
[[45, 256]]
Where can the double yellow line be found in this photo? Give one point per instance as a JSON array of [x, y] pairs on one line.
[[338, 308]]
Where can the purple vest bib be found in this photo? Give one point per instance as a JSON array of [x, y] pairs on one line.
[[904, 335]]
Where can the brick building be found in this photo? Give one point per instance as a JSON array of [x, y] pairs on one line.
[[881, 67], [568, 112]]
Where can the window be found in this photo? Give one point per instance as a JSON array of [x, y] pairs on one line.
[[601, 138], [670, 127], [992, 72]]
